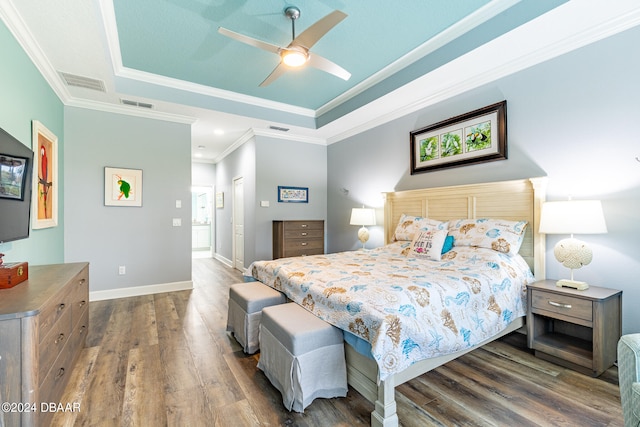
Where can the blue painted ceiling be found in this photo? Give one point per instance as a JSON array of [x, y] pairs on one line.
[[382, 44]]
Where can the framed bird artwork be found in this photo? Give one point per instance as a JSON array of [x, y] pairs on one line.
[[45, 177], [122, 187]]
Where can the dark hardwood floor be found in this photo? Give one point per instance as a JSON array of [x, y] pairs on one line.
[[166, 360]]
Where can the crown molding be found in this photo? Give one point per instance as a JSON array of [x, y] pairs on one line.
[[512, 52], [111, 30], [456, 30], [130, 111], [20, 31]]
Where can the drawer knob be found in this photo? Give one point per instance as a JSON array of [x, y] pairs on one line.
[[303, 243], [303, 225], [61, 307], [60, 339], [303, 234], [559, 304], [82, 329], [82, 303], [82, 281]]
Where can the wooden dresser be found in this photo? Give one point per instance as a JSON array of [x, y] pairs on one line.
[[43, 326], [298, 238]]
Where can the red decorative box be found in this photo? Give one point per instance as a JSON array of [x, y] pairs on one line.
[[13, 273]]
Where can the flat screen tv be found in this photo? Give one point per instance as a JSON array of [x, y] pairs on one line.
[[15, 188]]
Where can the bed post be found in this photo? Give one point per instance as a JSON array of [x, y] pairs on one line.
[[539, 240], [384, 414]]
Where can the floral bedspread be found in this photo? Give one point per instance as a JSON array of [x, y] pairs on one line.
[[409, 309]]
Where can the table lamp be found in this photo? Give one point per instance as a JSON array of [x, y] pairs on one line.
[[572, 217], [363, 216]]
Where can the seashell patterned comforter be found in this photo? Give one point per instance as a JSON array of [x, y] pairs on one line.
[[408, 309]]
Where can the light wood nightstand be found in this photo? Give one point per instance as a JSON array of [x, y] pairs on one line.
[[576, 329]]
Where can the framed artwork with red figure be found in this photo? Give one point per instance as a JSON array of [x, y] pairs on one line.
[[45, 177]]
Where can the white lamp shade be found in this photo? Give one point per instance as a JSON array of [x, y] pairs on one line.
[[572, 217], [363, 216]]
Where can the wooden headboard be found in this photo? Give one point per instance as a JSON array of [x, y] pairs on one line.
[[511, 200]]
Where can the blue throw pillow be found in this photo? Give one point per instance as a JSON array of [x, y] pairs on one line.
[[448, 244]]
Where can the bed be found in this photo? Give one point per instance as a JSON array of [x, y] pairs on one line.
[[405, 311]]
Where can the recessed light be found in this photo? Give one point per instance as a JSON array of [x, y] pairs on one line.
[[218, 132]]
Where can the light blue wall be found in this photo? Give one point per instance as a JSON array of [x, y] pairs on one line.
[[573, 119], [240, 163], [265, 163], [203, 174], [142, 239], [26, 96], [290, 163]]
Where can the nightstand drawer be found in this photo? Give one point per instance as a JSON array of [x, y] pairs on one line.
[[562, 304]]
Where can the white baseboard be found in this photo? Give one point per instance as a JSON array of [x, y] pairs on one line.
[[223, 260], [140, 290]]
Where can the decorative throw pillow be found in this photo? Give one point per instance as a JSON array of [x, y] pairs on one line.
[[448, 244], [408, 225], [428, 244], [497, 234]]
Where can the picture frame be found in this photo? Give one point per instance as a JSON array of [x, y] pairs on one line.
[[220, 200], [476, 137], [13, 176], [45, 177], [293, 194], [122, 187]]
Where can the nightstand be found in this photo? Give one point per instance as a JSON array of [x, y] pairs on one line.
[[576, 329]]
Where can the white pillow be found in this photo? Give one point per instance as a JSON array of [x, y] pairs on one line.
[[497, 234], [408, 225], [428, 244]]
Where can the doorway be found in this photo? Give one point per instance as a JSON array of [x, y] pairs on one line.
[[238, 223], [202, 222]]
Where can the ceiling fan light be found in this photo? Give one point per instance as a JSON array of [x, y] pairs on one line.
[[294, 58]]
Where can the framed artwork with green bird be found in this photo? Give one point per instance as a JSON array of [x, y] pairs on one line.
[[122, 187]]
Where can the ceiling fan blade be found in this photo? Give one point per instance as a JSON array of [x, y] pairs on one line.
[[321, 63], [277, 72], [249, 40], [311, 35]]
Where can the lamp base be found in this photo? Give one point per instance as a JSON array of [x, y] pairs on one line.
[[566, 283], [363, 235]]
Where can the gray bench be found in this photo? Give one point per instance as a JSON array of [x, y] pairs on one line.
[[302, 355], [246, 301]]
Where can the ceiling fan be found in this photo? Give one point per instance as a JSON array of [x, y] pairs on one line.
[[297, 53]]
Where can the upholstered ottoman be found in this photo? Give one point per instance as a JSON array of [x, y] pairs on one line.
[[629, 378], [302, 355], [246, 301]]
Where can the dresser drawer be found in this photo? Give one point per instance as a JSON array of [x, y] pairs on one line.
[[51, 346], [303, 225], [80, 331], [291, 245], [304, 234], [79, 296], [52, 312], [53, 385], [304, 252], [562, 304]]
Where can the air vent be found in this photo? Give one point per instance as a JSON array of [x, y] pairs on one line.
[[84, 82], [279, 128], [136, 103]]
